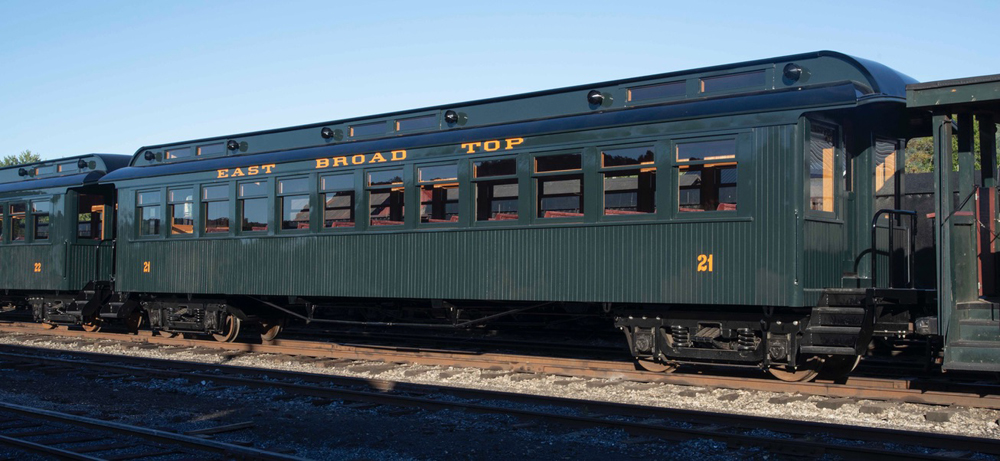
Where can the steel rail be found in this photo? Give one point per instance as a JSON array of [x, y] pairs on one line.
[[396, 393], [911, 391], [155, 435]]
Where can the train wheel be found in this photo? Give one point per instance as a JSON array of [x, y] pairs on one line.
[[231, 329], [837, 367], [269, 329], [655, 367], [133, 322], [93, 325], [806, 372]]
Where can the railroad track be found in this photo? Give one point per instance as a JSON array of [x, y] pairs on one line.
[[923, 391], [569, 347], [776, 435], [68, 436]]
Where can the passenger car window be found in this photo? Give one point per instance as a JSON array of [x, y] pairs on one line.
[[338, 200], [215, 208], [559, 194], [181, 209], [253, 206], [17, 216], [495, 183], [294, 200], [439, 193], [822, 166], [40, 210], [385, 197], [148, 207], [706, 175], [629, 181]]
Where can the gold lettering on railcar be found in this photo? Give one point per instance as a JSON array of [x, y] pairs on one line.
[[492, 145], [252, 170], [145, 267], [705, 263], [360, 159], [38, 267]]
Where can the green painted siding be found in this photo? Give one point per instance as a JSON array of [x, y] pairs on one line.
[[823, 253], [19, 267], [83, 261], [648, 263]]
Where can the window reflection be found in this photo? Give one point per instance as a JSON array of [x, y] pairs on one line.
[[215, 208], [386, 207], [150, 214], [149, 220], [706, 175], [822, 150], [181, 209], [439, 193], [254, 213], [216, 217], [560, 196], [630, 192], [40, 219], [707, 188], [338, 200], [497, 194], [295, 212]]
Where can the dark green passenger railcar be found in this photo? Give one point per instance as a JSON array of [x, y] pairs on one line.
[[720, 214], [57, 226]]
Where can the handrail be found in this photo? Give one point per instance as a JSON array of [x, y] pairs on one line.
[[909, 257]]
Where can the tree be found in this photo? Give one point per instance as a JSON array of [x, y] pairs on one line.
[[920, 152], [26, 156]]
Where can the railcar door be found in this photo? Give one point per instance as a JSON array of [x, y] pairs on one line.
[[93, 246]]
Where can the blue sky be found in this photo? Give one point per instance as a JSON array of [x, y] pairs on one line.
[[112, 76]]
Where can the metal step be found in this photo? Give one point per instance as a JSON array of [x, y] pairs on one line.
[[833, 330], [827, 350], [978, 330], [838, 316], [972, 356], [981, 310]]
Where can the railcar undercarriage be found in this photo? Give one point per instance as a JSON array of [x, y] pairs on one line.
[[793, 344]]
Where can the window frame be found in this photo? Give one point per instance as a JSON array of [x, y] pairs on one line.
[[367, 189], [321, 199], [169, 206], [534, 177], [519, 171], [198, 147], [631, 102], [24, 218], [279, 203], [268, 203], [138, 213], [203, 212], [385, 129], [656, 164], [419, 186], [767, 81], [396, 127], [672, 210], [33, 219], [838, 171]]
